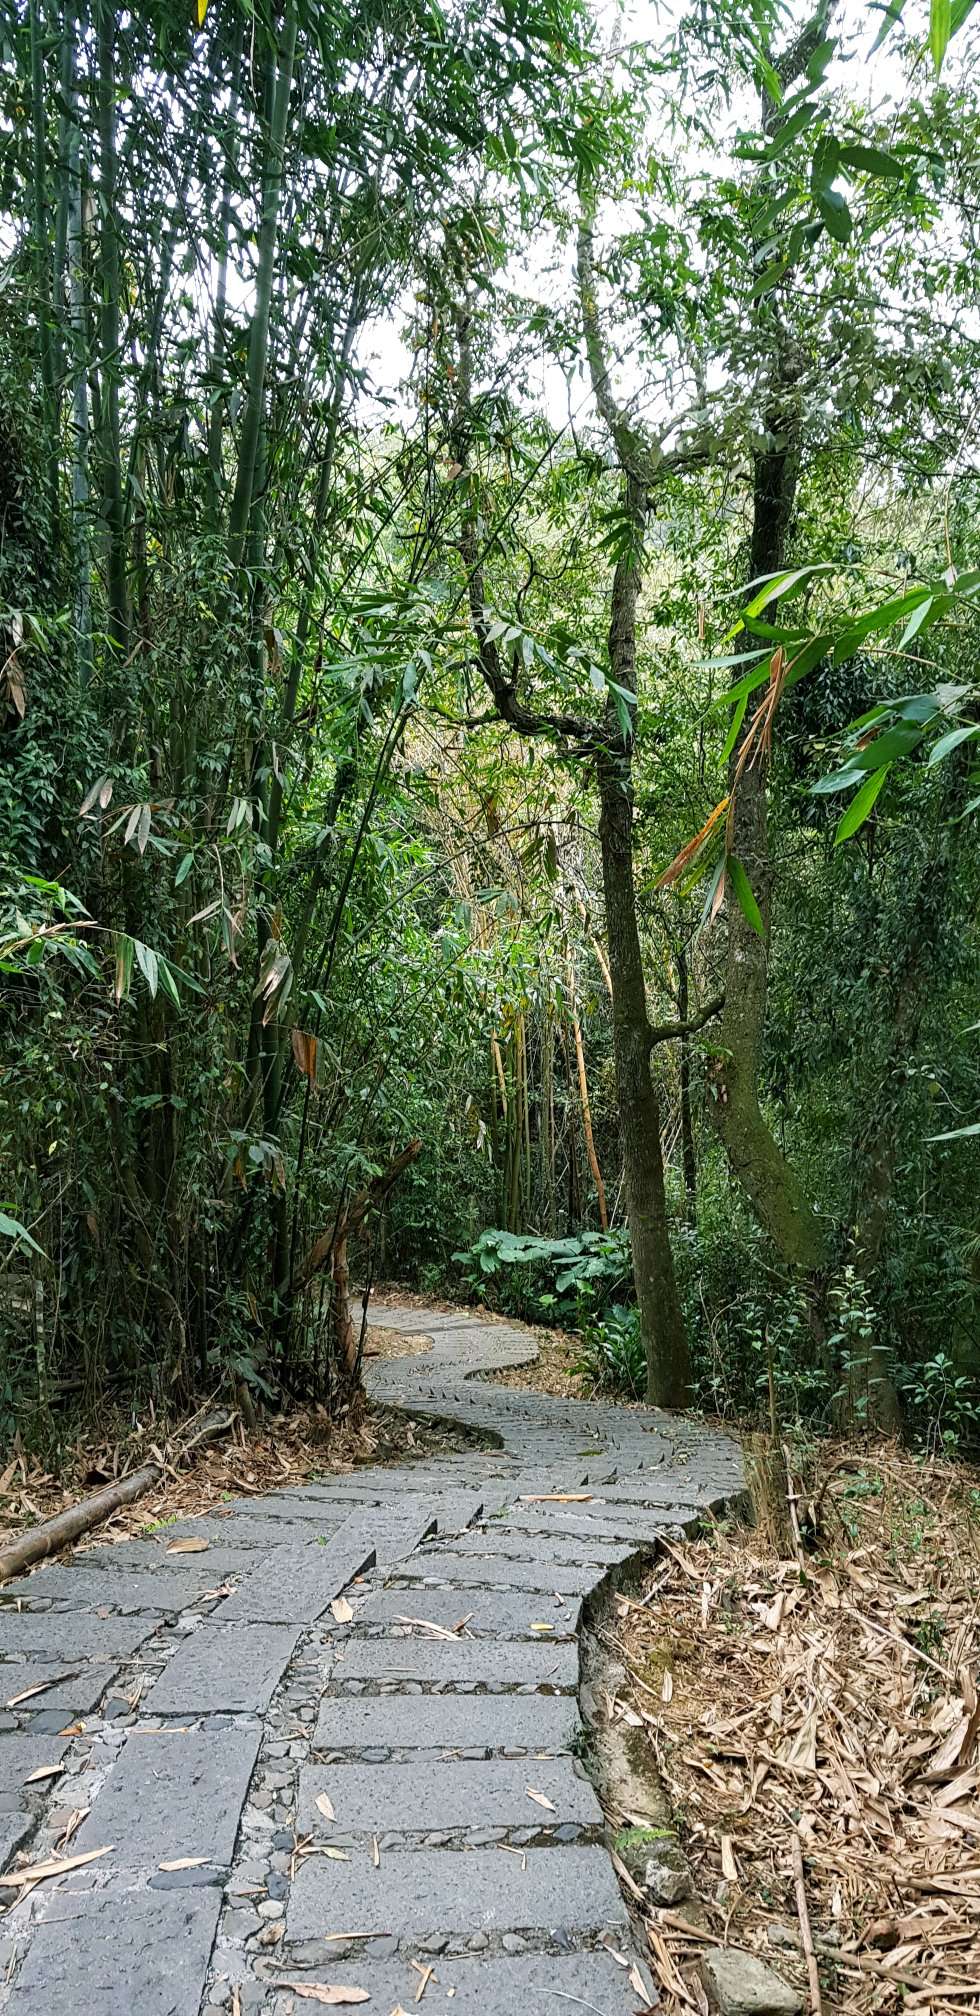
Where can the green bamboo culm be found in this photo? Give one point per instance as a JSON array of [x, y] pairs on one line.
[[258, 343], [109, 280], [42, 268]]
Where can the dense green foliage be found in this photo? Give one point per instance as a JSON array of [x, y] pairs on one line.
[[395, 403]]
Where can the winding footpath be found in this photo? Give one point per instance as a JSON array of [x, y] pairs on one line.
[[295, 1795]]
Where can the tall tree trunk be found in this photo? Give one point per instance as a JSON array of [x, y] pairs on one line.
[[661, 1317], [771, 1184]]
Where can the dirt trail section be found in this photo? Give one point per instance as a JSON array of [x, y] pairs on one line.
[[324, 1749]]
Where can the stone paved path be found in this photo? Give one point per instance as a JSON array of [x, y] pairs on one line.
[[296, 1794]]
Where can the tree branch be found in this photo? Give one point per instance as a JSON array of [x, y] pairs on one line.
[[664, 1032]]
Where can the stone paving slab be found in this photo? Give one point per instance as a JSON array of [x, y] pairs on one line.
[[480, 1723], [14, 1829], [396, 1532], [376, 1798], [509, 1613], [518, 1544], [147, 1554], [633, 1526], [494, 1570], [231, 1669], [242, 1534], [66, 1689], [459, 1661], [295, 1585], [20, 1755], [104, 1955], [427, 1891], [157, 1587], [171, 1794], [553, 1984]]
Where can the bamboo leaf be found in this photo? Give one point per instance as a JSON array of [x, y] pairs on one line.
[[860, 806], [940, 30], [124, 965], [744, 895]]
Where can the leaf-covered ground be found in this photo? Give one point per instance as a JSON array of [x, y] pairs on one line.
[[289, 1449], [834, 1698]]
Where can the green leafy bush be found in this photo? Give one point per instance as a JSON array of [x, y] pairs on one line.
[[612, 1351], [556, 1280]]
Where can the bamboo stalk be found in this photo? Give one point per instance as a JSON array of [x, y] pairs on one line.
[[110, 450], [268, 239], [583, 1088], [812, 1968]]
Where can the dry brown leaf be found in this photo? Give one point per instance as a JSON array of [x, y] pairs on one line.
[[729, 1866], [189, 1546], [43, 1687], [304, 1048], [324, 1806], [423, 1624], [540, 1799], [667, 1685], [542, 1627], [38, 1872], [557, 1498], [330, 1997], [44, 1771], [186, 1862], [340, 1610]]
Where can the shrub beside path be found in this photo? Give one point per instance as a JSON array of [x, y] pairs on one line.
[[325, 1749]]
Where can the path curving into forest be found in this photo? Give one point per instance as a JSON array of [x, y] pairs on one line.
[[295, 1782]]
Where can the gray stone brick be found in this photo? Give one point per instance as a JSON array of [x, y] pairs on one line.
[[437, 1890], [142, 1557], [43, 1635], [532, 1985], [518, 1542], [102, 1955], [489, 1613], [20, 1755], [481, 1722], [231, 1668], [158, 1587], [64, 1693], [634, 1526], [14, 1828], [494, 1570], [296, 1583], [242, 1533], [459, 1661], [369, 1797], [173, 1794]]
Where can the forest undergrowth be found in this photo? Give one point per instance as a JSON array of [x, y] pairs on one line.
[[823, 1703]]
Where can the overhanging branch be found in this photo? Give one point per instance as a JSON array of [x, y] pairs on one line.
[[665, 1032]]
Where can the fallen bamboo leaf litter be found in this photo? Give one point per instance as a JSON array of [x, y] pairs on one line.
[[832, 1702]]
